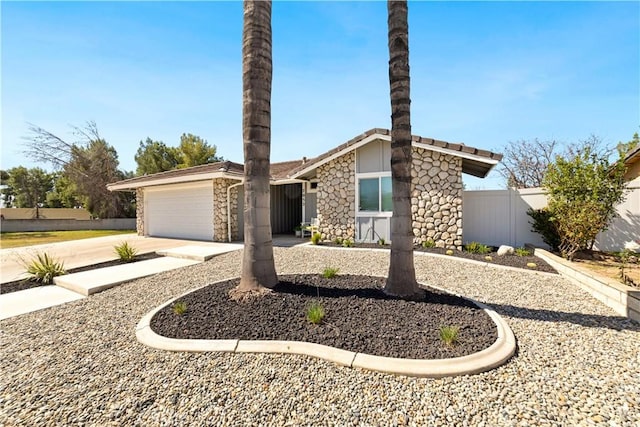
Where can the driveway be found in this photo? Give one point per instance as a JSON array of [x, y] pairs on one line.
[[78, 253]]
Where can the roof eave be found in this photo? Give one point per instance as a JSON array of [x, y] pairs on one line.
[[123, 186]]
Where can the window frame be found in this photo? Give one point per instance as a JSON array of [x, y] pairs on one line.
[[372, 175]]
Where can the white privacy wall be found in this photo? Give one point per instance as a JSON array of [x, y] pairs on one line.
[[499, 217]]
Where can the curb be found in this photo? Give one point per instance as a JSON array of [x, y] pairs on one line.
[[495, 355]]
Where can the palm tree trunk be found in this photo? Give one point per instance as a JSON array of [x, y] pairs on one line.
[[258, 268], [401, 280]]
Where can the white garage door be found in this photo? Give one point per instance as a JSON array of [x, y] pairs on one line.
[[180, 211]]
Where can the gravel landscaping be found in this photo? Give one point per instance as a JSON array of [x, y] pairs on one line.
[[359, 317], [79, 363]]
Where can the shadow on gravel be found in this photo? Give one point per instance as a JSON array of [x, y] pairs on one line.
[[618, 323]]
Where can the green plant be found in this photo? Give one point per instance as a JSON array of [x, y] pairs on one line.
[[347, 243], [315, 238], [477, 248], [625, 257], [381, 241], [315, 313], [44, 268], [125, 252], [544, 226], [429, 243], [337, 240], [522, 252], [180, 308], [449, 334], [449, 252], [330, 272]]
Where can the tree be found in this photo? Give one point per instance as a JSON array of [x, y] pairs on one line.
[[401, 280], [625, 147], [524, 163], [154, 156], [27, 188], [258, 267], [89, 164], [584, 189], [64, 193], [194, 151]]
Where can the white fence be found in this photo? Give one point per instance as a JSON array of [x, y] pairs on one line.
[[499, 217]]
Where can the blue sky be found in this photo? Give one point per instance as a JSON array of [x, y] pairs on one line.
[[483, 73]]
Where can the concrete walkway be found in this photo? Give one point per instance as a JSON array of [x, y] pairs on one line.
[[79, 253], [71, 287]]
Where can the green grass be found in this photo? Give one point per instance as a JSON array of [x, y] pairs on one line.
[[330, 272], [449, 335], [477, 248], [14, 240], [315, 313]]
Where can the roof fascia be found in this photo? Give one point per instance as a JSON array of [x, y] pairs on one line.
[[173, 180]]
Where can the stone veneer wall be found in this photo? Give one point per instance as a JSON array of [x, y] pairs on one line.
[[140, 211], [436, 198], [336, 202], [220, 224]]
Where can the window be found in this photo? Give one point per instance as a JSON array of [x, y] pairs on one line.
[[375, 193]]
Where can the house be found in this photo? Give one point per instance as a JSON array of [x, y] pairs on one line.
[[632, 162], [348, 189]]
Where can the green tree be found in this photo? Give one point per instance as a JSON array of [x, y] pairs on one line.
[[64, 193], [625, 147], [194, 151], [89, 164], [154, 156], [584, 189], [27, 188], [258, 267], [401, 280]]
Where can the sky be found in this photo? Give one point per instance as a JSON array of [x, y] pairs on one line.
[[482, 73]]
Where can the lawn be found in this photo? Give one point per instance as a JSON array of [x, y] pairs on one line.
[[14, 240]]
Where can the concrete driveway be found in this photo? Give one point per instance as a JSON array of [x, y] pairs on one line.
[[78, 253]]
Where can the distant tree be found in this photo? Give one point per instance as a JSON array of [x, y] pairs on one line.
[[194, 151], [64, 193], [27, 188], [155, 156], [524, 163], [625, 147], [584, 188], [89, 164]]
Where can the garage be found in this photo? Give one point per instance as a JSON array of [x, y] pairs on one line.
[[180, 211]]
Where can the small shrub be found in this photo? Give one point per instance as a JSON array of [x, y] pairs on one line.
[[180, 308], [429, 243], [330, 272], [543, 225], [449, 252], [347, 243], [44, 268], [522, 252], [381, 241], [337, 240], [477, 248], [315, 313], [315, 238], [125, 252], [488, 258], [449, 335]]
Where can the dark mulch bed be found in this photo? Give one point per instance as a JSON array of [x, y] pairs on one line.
[[508, 260], [359, 317], [21, 285]]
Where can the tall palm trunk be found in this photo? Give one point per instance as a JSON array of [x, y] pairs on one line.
[[258, 268], [401, 280]]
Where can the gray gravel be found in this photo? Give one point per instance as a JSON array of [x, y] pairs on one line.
[[79, 364]]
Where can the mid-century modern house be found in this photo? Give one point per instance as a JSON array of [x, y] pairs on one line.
[[347, 190]]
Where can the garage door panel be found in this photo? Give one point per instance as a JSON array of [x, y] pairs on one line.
[[182, 212]]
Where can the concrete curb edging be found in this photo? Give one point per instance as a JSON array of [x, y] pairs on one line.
[[495, 355], [623, 299]]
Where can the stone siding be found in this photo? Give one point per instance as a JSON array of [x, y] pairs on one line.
[[220, 224], [336, 202], [140, 211], [436, 198]]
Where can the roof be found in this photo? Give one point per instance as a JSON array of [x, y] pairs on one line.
[[475, 162], [226, 169], [633, 155]]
